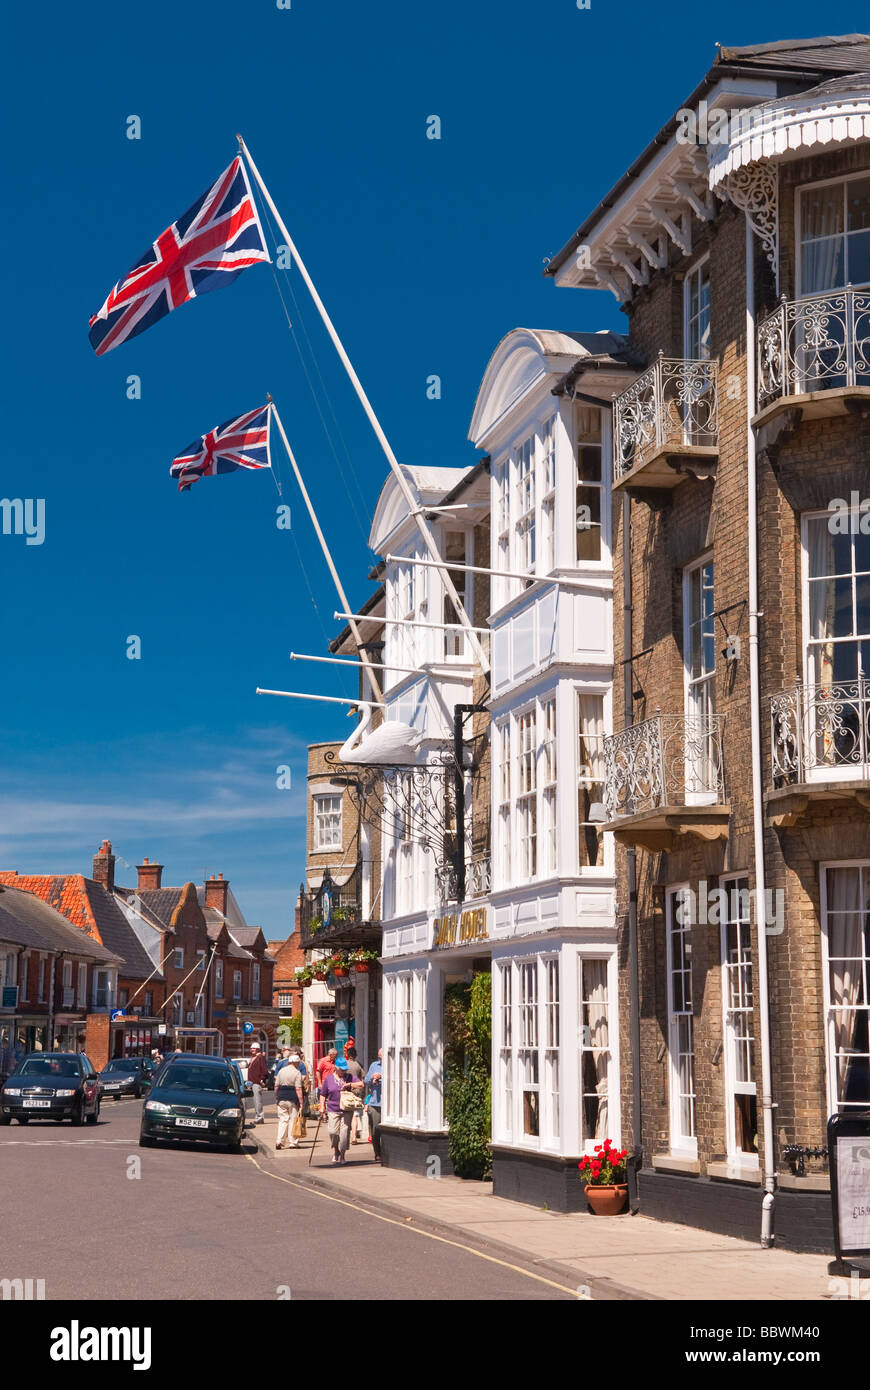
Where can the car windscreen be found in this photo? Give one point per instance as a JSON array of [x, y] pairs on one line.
[[123, 1064], [48, 1067], [181, 1076]]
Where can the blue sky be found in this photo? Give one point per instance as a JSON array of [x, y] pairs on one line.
[[425, 252]]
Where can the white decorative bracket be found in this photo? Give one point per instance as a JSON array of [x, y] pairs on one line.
[[753, 189]]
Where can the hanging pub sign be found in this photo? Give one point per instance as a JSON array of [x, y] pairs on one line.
[[326, 895], [849, 1162]]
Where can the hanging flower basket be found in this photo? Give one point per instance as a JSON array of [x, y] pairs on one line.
[[340, 971], [361, 967]]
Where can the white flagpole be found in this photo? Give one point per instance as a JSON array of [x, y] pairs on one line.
[[495, 574], [411, 500], [376, 689], [326, 699]]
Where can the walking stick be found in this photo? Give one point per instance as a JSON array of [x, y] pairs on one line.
[[316, 1132]]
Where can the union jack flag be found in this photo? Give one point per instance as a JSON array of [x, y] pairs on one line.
[[215, 240], [239, 443]]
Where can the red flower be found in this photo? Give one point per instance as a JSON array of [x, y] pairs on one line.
[[598, 1148]]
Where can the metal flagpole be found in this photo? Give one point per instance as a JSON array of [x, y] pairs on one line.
[[413, 505], [376, 689]]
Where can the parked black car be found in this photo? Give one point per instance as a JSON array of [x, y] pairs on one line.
[[195, 1098], [51, 1086], [126, 1076]]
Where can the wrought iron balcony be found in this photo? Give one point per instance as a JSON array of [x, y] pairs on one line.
[[344, 922], [821, 343], [820, 748], [664, 778], [478, 880], [666, 424]]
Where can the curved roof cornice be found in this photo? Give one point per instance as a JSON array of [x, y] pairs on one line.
[[523, 360]]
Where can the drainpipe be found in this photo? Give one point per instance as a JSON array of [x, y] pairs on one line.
[[636, 1159], [767, 1104]]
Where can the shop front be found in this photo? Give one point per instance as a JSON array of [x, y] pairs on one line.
[[69, 1032], [134, 1037], [20, 1034], [206, 1042]]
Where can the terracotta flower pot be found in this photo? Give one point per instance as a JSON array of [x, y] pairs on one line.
[[607, 1201], [340, 971], [362, 967]]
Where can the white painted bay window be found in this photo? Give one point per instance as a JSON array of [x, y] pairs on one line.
[[527, 1040], [524, 555], [505, 809], [405, 1048], [548, 495]]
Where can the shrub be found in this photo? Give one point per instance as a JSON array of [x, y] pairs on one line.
[[467, 1089]]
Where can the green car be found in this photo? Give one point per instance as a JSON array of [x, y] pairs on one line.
[[197, 1098]]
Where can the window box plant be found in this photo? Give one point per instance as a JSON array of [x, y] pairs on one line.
[[604, 1175]]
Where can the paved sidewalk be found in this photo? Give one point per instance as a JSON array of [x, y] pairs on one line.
[[617, 1257]]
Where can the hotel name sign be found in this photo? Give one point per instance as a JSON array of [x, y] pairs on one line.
[[460, 928]]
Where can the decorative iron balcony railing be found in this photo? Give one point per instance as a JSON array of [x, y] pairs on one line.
[[478, 880], [814, 344], [818, 729], [672, 405], [669, 760]]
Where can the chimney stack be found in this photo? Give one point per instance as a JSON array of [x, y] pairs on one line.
[[149, 875], [104, 866], [216, 893]]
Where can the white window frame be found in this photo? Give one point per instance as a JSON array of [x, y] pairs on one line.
[[40, 986], [455, 643], [528, 1051], [599, 485], [405, 1092], [688, 317], [525, 525], [82, 987], [590, 776], [200, 958], [285, 999], [549, 820], [680, 1142], [611, 1126], [504, 785], [255, 982], [835, 1105], [327, 818], [237, 985], [699, 691], [547, 466], [25, 971], [731, 1039], [800, 194], [219, 978], [527, 816], [178, 957]]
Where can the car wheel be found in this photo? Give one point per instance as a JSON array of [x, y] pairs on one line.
[[78, 1117], [146, 1142], [116, 1099], [23, 1119], [95, 1118], [235, 1146], [5, 1119]]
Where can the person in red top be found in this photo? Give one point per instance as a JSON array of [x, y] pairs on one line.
[[326, 1065], [257, 1073]]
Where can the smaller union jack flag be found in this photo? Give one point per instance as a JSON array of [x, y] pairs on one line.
[[215, 240], [239, 443]]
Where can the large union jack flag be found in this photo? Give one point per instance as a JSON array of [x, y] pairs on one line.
[[239, 443], [215, 240]]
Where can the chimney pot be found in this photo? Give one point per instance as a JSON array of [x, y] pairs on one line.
[[216, 893]]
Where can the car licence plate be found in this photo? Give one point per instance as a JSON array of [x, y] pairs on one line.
[[194, 1124], [37, 1104]]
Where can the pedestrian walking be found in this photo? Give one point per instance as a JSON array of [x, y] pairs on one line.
[[339, 1098], [356, 1069], [326, 1065], [374, 1078], [257, 1073], [288, 1093], [306, 1091]]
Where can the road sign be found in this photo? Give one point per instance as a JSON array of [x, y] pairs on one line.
[[117, 1013], [247, 1028]]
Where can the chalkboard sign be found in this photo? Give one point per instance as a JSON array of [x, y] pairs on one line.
[[849, 1162]]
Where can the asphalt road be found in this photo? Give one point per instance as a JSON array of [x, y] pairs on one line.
[[96, 1217]]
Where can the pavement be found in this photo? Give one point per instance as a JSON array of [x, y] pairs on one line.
[[602, 1257]]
